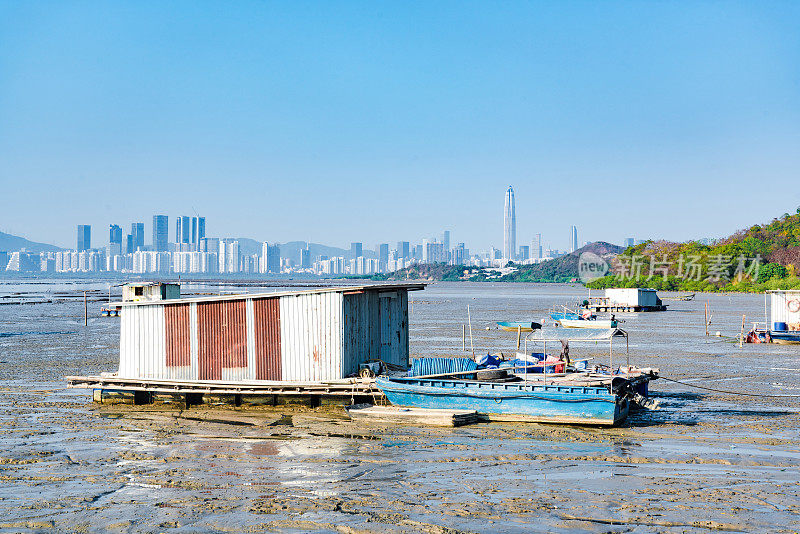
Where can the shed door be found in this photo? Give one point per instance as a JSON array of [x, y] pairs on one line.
[[387, 317]]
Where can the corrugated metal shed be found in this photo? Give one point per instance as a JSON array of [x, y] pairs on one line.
[[313, 335], [785, 307]]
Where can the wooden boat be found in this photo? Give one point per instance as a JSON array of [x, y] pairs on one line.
[[604, 324], [514, 401], [514, 326]]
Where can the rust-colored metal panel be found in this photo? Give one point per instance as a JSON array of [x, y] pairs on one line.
[[222, 337], [176, 332], [267, 315]]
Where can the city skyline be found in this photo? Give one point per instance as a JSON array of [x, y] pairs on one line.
[[316, 109]]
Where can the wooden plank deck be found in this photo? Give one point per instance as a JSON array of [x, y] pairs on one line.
[[407, 415]]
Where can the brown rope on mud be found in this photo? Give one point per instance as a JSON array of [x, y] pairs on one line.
[[727, 391]]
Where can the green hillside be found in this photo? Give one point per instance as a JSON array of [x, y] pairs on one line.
[[756, 259]]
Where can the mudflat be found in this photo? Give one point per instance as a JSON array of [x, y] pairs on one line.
[[704, 461]]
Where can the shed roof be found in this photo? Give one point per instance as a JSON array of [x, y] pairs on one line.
[[239, 296]]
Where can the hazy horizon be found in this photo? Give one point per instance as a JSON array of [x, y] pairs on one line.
[[382, 122]]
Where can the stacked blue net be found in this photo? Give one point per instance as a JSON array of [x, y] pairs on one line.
[[436, 366]]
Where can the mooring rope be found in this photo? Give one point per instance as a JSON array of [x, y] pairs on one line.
[[729, 392]]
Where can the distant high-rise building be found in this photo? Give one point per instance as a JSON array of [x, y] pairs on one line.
[[305, 257], [536, 247], [160, 233], [183, 229], [417, 252], [356, 250], [403, 249], [458, 255], [114, 234], [524, 252], [509, 226], [137, 231], [629, 242], [446, 239], [194, 231], [383, 255], [201, 228], [130, 247], [573, 239], [84, 237], [270, 258]]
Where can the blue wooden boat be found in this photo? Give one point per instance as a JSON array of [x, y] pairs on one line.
[[512, 401]]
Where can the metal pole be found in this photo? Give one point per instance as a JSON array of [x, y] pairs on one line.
[[706, 318], [471, 341], [766, 320], [464, 337], [85, 311]]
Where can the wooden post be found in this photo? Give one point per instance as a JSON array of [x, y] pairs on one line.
[[741, 334], [519, 336], [85, 311]]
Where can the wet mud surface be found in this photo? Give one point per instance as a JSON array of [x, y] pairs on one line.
[[705, 461]]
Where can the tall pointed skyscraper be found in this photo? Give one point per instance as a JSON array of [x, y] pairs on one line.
[[509, 226]]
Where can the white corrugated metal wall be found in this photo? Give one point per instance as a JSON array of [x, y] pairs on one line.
[[779, 308], [311, 336], [142, 350]]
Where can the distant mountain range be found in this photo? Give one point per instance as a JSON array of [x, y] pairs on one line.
[[13, 243]]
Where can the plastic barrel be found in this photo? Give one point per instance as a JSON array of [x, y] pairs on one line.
[[779, 326]]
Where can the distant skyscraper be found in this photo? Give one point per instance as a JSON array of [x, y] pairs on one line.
[[137, 231], [270, 258], [201, 228], [84, 237], [573, 239], [446, 239], [536, 247], [160, 233], [629, 242], [114, 234], [524, 252], [509, 226], [129, 244], [183, 230], [356, 249], [305, 257], [459, 255], [403, 249], [383, 254], [194, 232]]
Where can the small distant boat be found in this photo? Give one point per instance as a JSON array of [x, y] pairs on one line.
[[601, 324], [684, 298], [515, 326]]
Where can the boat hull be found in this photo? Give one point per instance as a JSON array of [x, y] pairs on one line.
[[503, 401]]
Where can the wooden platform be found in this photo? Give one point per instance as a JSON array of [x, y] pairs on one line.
[[419, 416], [146, 391]]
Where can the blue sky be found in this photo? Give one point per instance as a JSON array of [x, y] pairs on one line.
[[380, 121]]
